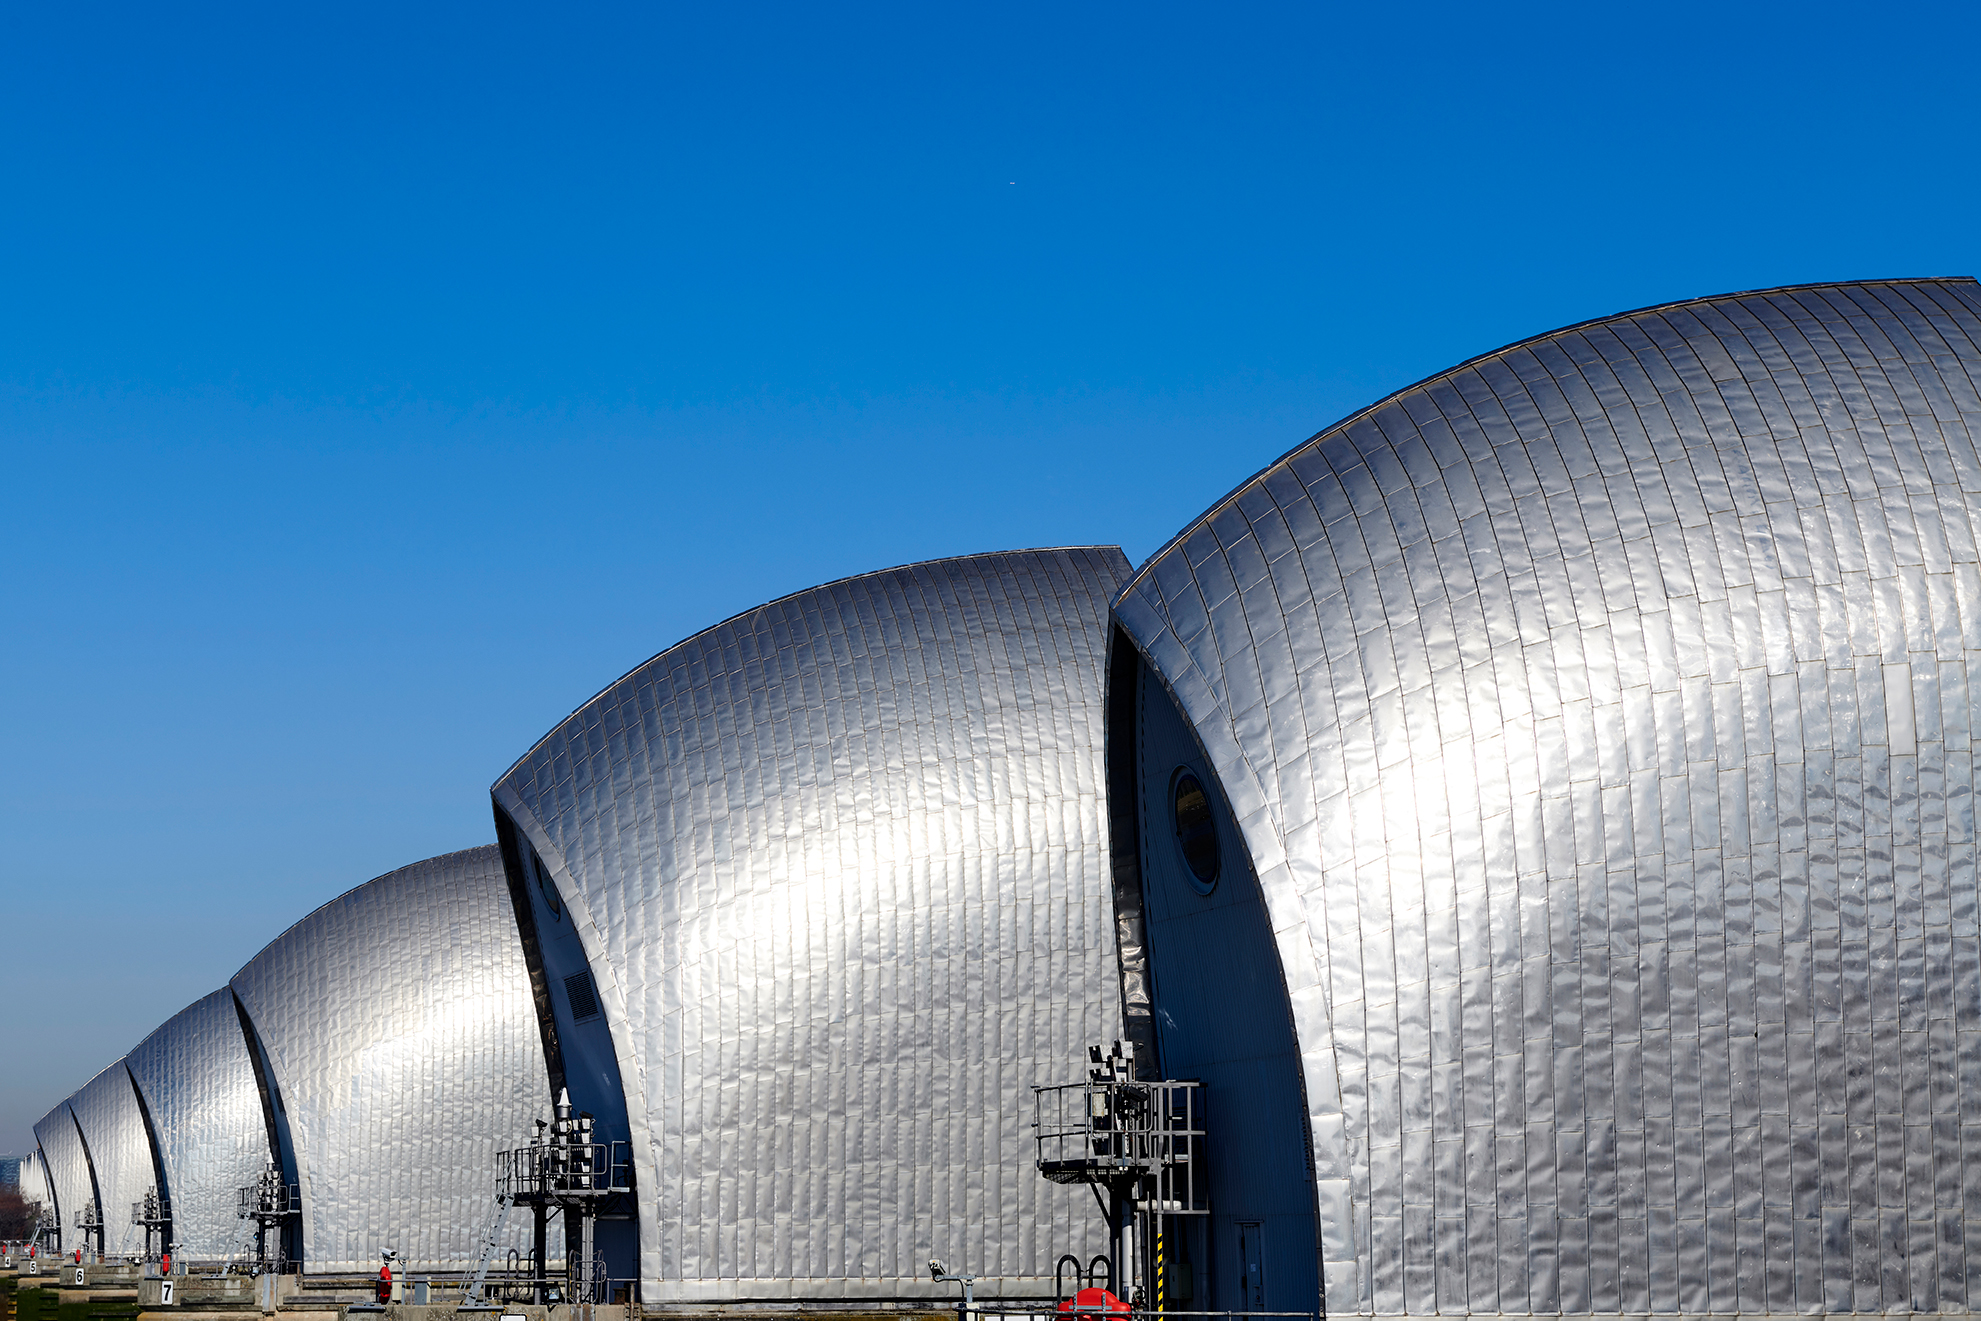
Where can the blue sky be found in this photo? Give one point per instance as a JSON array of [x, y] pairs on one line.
[[376, 386]]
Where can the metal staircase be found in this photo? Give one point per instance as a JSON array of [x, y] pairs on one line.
[[491, 1238], [238, 1245]]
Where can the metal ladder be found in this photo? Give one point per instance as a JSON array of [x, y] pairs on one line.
[[490, 1238], [237, 1245]]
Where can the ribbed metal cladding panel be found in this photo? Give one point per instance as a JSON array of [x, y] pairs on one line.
[[1599, 716], [401, 1034], [68, 1167], [840, 863], [198, 1082], [113, 1130]]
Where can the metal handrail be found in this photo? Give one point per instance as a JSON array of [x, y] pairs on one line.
[[567, 1169], [1110, 1129], [1044, 1308], [269, 1199]]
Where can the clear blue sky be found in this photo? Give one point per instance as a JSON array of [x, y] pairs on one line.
[[377, 386]]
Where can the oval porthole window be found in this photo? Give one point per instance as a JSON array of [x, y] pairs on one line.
[[1196, 831]]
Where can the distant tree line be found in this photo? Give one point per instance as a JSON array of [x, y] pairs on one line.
[[17, 1216]]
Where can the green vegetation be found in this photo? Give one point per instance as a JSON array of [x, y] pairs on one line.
[[35, 1303]]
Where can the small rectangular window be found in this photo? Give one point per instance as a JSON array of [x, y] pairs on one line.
[[580, 995]]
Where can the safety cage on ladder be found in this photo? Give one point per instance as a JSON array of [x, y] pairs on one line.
[[1139, 1145], [1113, 1127], [563, 1171], [264, 1209], [153, 1214]]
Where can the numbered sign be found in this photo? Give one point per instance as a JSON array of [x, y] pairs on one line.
[[79, 1276], [165, 1293], [34, 1266]]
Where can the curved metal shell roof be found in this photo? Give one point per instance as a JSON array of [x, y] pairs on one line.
[[839, 864], [198, 1083], [1600, 717], [67, 1164], [34, 1179], [403, 1043], [113, 1130]]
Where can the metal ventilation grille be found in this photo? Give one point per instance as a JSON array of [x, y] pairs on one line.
[[578, 993]]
